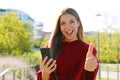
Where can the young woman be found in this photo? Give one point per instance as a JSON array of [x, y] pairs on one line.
[[73, 58]]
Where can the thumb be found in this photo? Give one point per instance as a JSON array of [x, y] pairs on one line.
[[90, 51]]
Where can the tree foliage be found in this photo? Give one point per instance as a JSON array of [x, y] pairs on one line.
[[41, 42], [15, 35], [91, 39], [109, 44]]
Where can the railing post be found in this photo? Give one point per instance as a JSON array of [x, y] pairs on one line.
[[107, 72], [3, 77], [99, 72], [117, 72], [23, 73], [13, 74], [20, 75], [25, 76], [27, 72], [4, 73]]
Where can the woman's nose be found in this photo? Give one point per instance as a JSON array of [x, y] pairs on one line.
[[68, 26]]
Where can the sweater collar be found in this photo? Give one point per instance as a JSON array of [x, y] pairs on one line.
[[75, 42]]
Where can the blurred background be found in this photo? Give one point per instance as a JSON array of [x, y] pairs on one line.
[[26, 25]]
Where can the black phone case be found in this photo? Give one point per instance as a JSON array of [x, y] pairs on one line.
[[46, 52]]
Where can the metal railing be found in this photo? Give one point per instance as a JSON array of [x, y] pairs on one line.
[[27, 73], [4, 73], [109, 71]]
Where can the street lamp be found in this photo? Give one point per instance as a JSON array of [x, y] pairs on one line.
[[98, 46], [98, 36]]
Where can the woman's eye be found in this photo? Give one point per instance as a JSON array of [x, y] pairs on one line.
[[72, 21], [62, 23]]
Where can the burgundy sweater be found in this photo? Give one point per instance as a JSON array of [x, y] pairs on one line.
[[71, 61]]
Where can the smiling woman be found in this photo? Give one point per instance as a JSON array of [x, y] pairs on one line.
[[73, 59], [69, 27]]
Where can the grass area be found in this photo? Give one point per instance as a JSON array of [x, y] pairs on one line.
[[110, 68], [104, 79]]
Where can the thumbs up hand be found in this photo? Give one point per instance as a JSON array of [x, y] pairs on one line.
[[91, 61]]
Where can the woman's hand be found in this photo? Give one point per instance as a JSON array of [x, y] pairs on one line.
[[47, 67], [91, 61]]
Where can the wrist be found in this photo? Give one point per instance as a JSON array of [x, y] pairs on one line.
[[45, 77]]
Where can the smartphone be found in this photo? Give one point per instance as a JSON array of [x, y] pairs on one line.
[[46, 52]]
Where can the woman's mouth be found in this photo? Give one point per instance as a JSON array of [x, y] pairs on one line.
[[69, 32]]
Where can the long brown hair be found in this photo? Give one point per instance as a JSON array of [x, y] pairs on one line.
[[57, 36]]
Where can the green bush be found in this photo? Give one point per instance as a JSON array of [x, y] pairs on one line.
[[32, 58]]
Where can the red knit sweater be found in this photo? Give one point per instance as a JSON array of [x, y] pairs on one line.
[[70, 63]]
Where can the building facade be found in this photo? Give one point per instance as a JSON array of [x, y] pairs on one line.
[[22, 15]]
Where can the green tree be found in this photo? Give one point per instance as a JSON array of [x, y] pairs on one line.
[[41, 42], [15, 35], [92, 39], [44, 42], [109, 45]]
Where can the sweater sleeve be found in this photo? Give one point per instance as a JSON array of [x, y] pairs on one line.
[[39, 75], [91, 75]]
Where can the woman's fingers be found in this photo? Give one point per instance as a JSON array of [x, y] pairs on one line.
[[91, 61], [49, 62], [52, 64], [90, 52], [91, 64], [48, 66], [53, 69], [45, 60]]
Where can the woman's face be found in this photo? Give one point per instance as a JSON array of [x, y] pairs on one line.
[[69, 27]]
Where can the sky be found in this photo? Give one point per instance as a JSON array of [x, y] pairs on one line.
[[47, 11]]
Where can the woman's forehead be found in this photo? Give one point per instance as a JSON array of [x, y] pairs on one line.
[[67, 17]]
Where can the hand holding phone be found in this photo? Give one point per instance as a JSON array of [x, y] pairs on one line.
[[46, 52]]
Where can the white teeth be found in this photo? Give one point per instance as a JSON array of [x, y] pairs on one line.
[[69, 32]]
